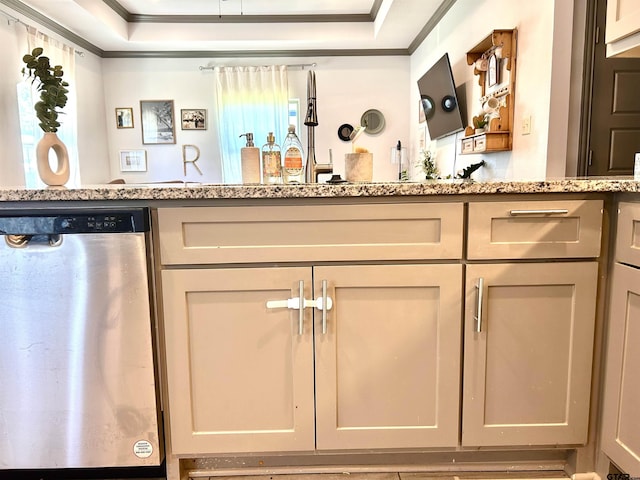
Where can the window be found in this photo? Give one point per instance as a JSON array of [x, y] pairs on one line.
[[59, 54], [249, 99]]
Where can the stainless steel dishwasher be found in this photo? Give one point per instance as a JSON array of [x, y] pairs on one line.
[[77, 372]]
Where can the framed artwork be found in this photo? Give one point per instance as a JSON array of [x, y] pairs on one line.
[[422, 138], [294, 113], [157, 122], [492, 71], [124, 117], [194, 119], [133, 160]]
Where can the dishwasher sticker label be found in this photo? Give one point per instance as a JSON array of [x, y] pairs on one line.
[[143, 449]]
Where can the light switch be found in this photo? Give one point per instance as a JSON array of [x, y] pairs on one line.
[[526, 125]]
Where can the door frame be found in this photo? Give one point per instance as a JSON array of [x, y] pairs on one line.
[[592, 36]]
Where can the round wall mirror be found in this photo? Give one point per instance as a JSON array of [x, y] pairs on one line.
[[373, 120]]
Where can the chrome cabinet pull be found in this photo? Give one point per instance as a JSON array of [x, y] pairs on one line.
[[550, 211], [325, 301], [480, 297], [301, 309], [300, 303]]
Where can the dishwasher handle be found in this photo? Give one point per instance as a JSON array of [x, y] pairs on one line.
[[24, 241]]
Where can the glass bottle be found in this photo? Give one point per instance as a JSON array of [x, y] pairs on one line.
[[292, 163], [271, 161]]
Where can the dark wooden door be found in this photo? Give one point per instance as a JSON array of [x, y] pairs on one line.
[[615, 110]]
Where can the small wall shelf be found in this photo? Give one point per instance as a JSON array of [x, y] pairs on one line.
[[494, 62]]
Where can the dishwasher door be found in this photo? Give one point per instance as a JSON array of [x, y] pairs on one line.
[[76, 353]]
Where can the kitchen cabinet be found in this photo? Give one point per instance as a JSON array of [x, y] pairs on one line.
[[388, 363], [529, 327], [621, 417], [379, 369], [528, 351], [534, 230], [310, 233], [622, 32], [241, 376], [383, 367]]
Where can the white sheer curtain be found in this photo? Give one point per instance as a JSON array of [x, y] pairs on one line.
[[249, 99], [59, 54]]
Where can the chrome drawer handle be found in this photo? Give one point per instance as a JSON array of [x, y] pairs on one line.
[[480, 298], [550, 211]]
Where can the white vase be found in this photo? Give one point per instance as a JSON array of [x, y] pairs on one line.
[[47, 175]]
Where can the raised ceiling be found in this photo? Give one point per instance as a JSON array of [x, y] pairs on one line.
[[228, 27]]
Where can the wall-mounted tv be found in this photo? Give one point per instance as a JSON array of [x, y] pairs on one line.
[[439, 100]]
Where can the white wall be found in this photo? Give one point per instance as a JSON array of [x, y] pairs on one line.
[[346, 88], [11, 172], [92, 129], [542, 82]]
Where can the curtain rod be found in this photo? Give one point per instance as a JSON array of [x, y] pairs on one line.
[[11, 18], [301, 66]]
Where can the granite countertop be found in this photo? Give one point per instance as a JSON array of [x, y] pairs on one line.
[[196, 191]]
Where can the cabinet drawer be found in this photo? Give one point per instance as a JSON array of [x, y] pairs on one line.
[[467, 145], [628, 234], [535, 229], [206, 235], [480, 144]]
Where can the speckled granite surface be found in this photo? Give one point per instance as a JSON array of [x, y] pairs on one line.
[[193, 191]]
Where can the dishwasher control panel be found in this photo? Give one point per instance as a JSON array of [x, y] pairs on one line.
[[74, 222], [116, 223]]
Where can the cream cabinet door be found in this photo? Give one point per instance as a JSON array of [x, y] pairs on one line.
[[622, 32], [623, 18], [388, 364], [240, 376], [527, 363], [621, 418]]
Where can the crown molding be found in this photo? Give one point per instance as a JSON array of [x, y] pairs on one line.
[[32, 14], [328, 18], [56, 28], [352, 18], [257, 53], [438, 15]]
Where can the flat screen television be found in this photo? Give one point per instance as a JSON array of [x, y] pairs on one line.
[[439, 100]]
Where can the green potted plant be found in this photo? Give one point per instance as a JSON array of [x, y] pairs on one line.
[[53, 97], [428, 165], [479, 123]]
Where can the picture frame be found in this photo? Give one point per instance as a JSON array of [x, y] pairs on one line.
[[133, 160], [158, 126], [294, 113], [193, 118], [422, 138], [492, 70], [124, 117]]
